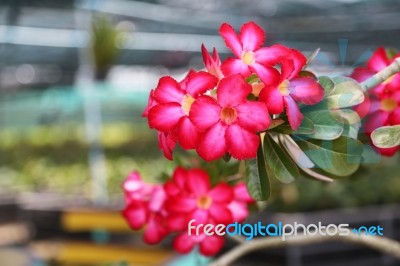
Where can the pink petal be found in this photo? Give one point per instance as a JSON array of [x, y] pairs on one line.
[[168, 90], [211, 245], [220, 214], [273, 99], [136, 214], [253, 116], [306, 90], [183, 243], [151, 102], [207, 59], [199, 82], [180, 176], [222, 193], [242, 144], [233, 66], [166, 143], [287, 69], [252, 36], [268, 75], [271, 55], [360, 74], [180, 204], [293, 113], [394, 118], [232, 90], [216, 58], [189, 136], [157, 199], [387, 151], [241, 193], [176, 223], [378, 60], [394, 84], [231, 39], [198, 182], [200, 215], [165, 116], [299, 60], [213, 64], [239, 210], [213, 145], [155, 231], [375, 120], [204, 112]]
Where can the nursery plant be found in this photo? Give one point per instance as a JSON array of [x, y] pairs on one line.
[[259, 115]]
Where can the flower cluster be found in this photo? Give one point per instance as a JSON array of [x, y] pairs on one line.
[[381, 106], [222, 110], [167, 209]]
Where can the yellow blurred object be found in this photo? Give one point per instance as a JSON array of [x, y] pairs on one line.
[[80, 253], [89, 220]]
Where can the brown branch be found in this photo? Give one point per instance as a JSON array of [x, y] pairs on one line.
[[382, 244]]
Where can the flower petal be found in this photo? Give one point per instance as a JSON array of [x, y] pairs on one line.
[[222, 193], [241, 193], [387, 151], [253, 116], [242, 144], [199, 82], [155, 230], [239, 210], [233, 66], [198, 182], [375, 120], [200, 215], [360, 74], [213, 145], [231, 39], [168, 90], [268, 75], [251, 36], [220, 214], [378, 60], [271, 55], [176, 222], [165, 116], [136, 214], [183, 243], [166, 143], [205, 112], [306, 90], [273, 99], [299, 60], [232, 90], [211, 245], [189, 136], [293, 113], [180, 204]]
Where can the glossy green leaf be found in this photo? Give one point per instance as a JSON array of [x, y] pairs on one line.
[[340, 157], [257, 180], [327, 83], [386, 137], [279, 162], [306, 127], [346, 93]]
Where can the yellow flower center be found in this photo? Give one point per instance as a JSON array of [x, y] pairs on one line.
[[187, 102], [204, 202], [388, 105], [248, 57], [228, 115], [284, 87], [389, 79]]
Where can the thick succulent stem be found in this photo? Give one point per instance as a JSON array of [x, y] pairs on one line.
[[382, 75], [382, 244]]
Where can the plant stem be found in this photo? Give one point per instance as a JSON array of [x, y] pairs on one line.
[[381, 244], [382, 75]]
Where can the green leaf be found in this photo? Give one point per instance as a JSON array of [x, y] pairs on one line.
[[327, 83], [325, 125], [279, 162], [311, 57], [306, 127], [386, 137], [257, 180], [346, 93], [340, 157]]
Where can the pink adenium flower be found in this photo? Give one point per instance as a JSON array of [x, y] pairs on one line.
[[145, 208], [292, 88], [230, 122], [208, 245], [212, 63], [171, 106], [241, 200], [251, 57]]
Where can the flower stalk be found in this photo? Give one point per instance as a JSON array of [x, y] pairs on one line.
[[382, 75]]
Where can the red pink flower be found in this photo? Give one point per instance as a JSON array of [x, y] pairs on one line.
[[230, 122]]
